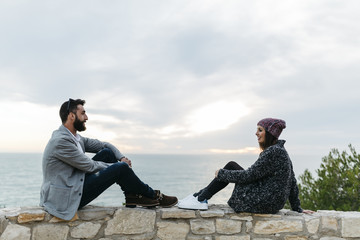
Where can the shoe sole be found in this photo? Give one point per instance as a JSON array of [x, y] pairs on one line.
[[201, 209], [132, 205], [168, 206], [191, 208]]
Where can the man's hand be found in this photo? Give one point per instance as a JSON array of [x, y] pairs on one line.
[[126, 160], [216, 173]]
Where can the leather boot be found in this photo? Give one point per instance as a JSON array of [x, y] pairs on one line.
[[164, 200], [132, 200]]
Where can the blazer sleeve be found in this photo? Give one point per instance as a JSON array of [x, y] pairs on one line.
[[67, 151], [94, 146], [264, 166]]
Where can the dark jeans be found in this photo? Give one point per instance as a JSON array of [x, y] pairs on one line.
[[118, 172], [216, 185]]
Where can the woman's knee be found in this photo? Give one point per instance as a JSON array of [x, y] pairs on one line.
[[233, 166]]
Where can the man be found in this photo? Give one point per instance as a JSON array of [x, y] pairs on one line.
[[71, 179]]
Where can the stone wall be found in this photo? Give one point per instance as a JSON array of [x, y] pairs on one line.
[[218, 223]]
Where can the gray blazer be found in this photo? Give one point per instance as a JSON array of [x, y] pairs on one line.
[[64, 168]]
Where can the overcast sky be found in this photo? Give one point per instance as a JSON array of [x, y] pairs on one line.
[[182, 76]]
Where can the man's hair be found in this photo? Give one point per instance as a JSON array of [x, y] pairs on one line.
[[68, 107], [269, 141]]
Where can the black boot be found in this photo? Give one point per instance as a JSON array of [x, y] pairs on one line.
[[164, 200], [132, 200]]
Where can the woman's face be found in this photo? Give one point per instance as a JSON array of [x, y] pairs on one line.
[[260, 133]]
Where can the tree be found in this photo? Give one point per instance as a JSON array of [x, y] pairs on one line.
[[337, 186]]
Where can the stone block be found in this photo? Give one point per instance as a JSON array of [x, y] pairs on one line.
[[3, 223], [277, 226], [16, 232], [329, 224], [242, 218], [267, 215], [95, 213], [199, 226], [249, 226], [59, 220], [350, 227], [295, 238], [85, 230], [177, 213], [331, 238], [131, 221], [237, 237], [227, 226], [312, 224], [31, 216], [172, 230], [50, 231], [212, 213], [199, 238]]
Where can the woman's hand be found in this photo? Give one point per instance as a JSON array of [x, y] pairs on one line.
[[308, 211], [216, 173]]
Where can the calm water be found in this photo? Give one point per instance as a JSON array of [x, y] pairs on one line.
[[178, 175]]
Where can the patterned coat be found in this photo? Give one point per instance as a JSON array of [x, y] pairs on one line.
[[266, 185]]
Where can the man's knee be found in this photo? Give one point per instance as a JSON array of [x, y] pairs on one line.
[[105, 155], [122, 166]]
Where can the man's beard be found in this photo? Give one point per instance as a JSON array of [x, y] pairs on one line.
[[79, 125]]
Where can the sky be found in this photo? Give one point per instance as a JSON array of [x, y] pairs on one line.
[[182, 77]]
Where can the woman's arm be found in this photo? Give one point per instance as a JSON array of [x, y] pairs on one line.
[[266, 165]]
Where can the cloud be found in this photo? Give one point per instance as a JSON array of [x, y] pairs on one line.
[[183, 76]]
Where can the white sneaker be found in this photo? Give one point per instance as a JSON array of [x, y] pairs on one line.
[[191, 202], [186, 198]]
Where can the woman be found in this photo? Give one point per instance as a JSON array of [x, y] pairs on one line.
[[265, 186]]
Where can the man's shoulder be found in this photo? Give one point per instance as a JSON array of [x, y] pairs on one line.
[[59, 135]]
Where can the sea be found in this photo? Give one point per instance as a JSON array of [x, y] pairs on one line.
[[175, 175]]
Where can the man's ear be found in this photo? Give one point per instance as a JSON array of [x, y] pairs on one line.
[[71, 116]]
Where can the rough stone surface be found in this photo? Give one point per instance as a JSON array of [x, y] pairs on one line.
[[332, 238], [90, 213], [243, 218], [199, 238], [3, 223], [85, 230], [50, 231], [232, 238], [220, 222], [312, 224], [16, 232], [177, 213], [350, 227], [131, 221], [277, 226], [329, 224], [212, 213], [226, 226], [31, 217], [202, 226], [172, 231], [295, 238]]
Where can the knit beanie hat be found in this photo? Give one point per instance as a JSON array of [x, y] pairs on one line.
[[273, 126]]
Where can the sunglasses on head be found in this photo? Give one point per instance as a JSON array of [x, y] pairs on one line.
[[68, 105]]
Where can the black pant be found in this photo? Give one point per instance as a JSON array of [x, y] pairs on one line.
[[216, 185], [118, 172]]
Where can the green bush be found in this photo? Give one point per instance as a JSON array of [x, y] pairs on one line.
[[337, 185]]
